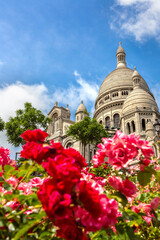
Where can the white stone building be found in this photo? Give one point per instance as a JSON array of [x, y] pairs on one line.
[[124, 102]]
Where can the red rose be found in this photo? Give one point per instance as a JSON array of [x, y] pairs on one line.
[[36, 135], [36, 151]]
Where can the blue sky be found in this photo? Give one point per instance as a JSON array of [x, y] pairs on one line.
[[61, 50]]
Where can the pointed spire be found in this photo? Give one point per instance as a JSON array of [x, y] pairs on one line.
[[121, 55], [67, 107]]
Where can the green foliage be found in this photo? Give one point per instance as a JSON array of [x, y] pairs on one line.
[[2, 124], [87, 131], [29, 118], [144, 178]]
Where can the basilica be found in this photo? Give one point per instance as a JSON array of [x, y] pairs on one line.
[[124, 102]]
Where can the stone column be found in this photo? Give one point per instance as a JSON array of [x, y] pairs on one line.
[[122, 125], [137, 123]]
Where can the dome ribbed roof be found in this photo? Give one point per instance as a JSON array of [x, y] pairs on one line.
[[81, 108], [120, 78], [141, 99]]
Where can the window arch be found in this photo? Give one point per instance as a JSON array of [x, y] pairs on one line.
[[107, 122], [128, 128], [55, 117], [100, 121], [143, 125], [69, 145], [133, 126], [116, 120]]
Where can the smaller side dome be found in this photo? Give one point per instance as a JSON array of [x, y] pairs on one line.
[[140, 99], [136, 74], [81, 108], [136, 77]]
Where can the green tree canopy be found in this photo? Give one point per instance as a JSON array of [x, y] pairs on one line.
[[88, 131], [1, 124], [29, 118]]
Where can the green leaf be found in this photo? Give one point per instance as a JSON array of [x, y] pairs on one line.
[[125, 232], [2, 179], [1, 223], [144, 178], [157, 175], [7, 186], [25, 228], [8, 170], [120, 198]]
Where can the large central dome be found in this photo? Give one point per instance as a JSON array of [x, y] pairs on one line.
[[120, 78]]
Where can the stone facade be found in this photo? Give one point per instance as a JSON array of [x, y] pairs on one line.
[[61, 121], [124, 102]]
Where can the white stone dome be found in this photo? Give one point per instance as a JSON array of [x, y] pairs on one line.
[[81, 108], [120, 78], [136, 73], [139, 99]]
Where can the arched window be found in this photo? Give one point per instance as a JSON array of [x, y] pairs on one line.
[[128, 128], [100, 121], [55, 117], [133, 126], [143, 125], [107, 122], [116, 119], [69, 145]]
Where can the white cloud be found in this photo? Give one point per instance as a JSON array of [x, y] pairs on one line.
[[13, 97], [139, 18], [73, 95], [130, 2]]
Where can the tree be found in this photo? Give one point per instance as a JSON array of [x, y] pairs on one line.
[[88, 131], [1, 124], [29, 118]]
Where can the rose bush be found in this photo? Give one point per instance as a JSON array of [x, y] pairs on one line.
[[53, 194]]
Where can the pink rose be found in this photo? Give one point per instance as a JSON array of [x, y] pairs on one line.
[[155, 203], [126, 187]]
